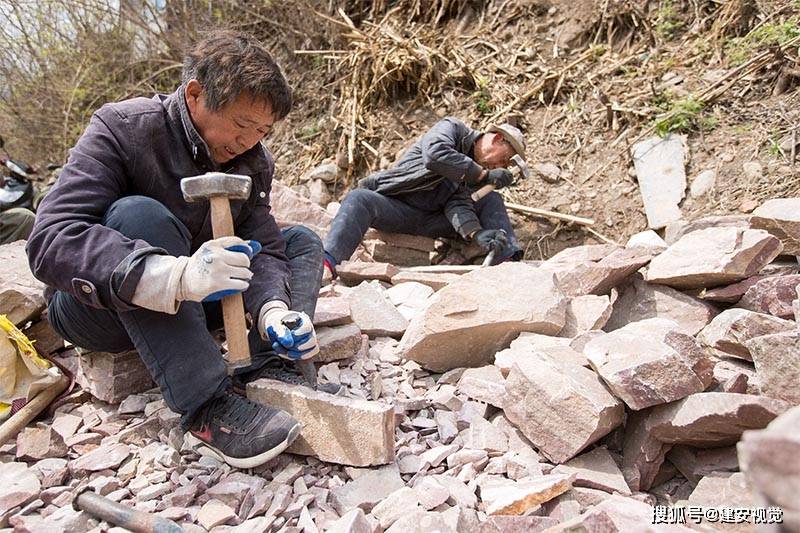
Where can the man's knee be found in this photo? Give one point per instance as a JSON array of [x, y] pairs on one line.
[[493, 201], [140, 217], [16, 224], [300, 239]]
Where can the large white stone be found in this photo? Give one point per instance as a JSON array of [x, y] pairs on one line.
[[471, 319], [659, 165]]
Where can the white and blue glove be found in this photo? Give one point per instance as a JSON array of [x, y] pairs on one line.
[[218, 268], [291, 333]]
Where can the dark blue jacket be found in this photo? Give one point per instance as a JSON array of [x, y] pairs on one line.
[[144, 147], [441, 158]]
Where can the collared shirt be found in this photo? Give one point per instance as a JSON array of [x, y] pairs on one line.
[[144, 147]]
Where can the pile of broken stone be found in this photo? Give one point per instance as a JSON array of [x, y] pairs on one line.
[[580, 392]]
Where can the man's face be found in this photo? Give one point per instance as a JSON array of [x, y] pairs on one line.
[[493, 151], [232, 130]]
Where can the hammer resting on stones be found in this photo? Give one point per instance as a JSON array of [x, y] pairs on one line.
[[220, 188]]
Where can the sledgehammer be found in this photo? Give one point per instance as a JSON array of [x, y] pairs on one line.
[[219, 189], [486, 189]]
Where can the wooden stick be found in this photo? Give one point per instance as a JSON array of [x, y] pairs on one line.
[[30, 410], [550, 214]]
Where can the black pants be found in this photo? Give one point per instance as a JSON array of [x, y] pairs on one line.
[[178, 349], [419, 213]]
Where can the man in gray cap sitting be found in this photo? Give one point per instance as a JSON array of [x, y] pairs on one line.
[[428, 192]]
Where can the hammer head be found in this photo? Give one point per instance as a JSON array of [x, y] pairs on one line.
[[521, 165], [204, 186]]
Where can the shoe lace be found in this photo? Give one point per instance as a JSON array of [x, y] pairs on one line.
[[234, 410]]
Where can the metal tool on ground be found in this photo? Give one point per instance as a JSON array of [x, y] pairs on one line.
[[123, 516], [219, 189], [524, 171], [306, 366]]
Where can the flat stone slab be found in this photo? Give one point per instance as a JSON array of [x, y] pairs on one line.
[[590, 277], [675, 230], [21, 295], [517, 498], [695, 463], [291, 209], [659, 164], [335, 429], [112, 377], [374, 313], [780, 217], [396, 255], [641, 300], [650, 362], [338, 342], [485, 384], [20, 485], [729, 331], [332, 311], [768, 459], [542, 393], [773, 295], [712, 257], [402, 240], [367, 490], [434, 280], [586, 313], [705, 419], [470, 320], [527, 344], [777, 361], [354, 272], [595, 469]]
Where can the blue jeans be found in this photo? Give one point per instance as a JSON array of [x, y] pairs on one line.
[[179, 350], [418, 213]]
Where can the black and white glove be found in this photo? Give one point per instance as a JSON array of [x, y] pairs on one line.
[[499, 177], [493, 239]]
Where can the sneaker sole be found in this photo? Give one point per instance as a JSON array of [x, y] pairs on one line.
[[203, 448]]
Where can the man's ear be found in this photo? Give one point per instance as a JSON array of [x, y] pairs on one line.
[[193, 92]]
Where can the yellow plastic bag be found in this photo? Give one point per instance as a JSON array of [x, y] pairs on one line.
[[23, 374]]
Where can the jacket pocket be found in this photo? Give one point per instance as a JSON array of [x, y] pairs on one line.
[[86, 293]]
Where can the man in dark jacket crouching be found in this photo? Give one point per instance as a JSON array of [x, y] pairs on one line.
[[428, 192], [131, 264]]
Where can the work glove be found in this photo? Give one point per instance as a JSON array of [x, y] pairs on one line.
[[291, 333], [493, 239], [499, 177], [218, 268]]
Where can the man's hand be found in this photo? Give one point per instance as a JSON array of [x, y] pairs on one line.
[[291, 333], [213, 269], [499, 177], [493, 239]]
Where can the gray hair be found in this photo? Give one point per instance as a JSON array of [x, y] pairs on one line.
[[230, 63]]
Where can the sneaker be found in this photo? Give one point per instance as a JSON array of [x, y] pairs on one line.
[[280, 369], [240, 432]]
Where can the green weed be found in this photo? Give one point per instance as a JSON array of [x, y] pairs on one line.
[[683, 115], [667, 23], [739, 49], [483, 98]]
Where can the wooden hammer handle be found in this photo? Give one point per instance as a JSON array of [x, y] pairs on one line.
[[233, 305], [483, 191]]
